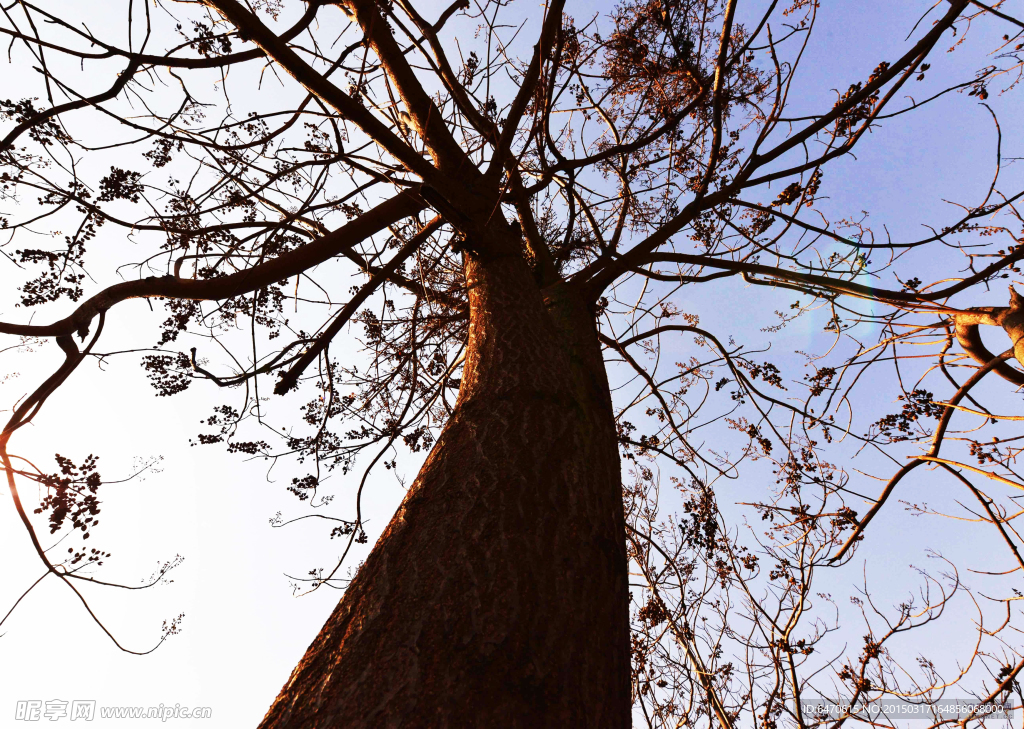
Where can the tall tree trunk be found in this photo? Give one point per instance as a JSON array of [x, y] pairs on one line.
[[497, 595]]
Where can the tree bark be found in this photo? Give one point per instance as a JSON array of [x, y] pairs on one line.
[[497, 595]]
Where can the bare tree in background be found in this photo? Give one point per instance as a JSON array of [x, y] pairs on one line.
[[527, 202]]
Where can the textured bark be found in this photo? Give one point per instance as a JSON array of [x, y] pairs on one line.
[[497, 595]]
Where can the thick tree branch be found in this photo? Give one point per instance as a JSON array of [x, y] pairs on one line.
[[424, 115], [316, 84], [285, 266]]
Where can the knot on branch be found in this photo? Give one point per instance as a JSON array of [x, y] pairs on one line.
[[1010, 318], [1012, 322]]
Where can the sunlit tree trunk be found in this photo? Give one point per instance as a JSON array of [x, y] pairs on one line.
[[497, 595]]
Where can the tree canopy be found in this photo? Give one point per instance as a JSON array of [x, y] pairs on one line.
[[346, 213]]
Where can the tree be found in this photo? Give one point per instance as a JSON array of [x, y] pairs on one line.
[[529, 211]]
